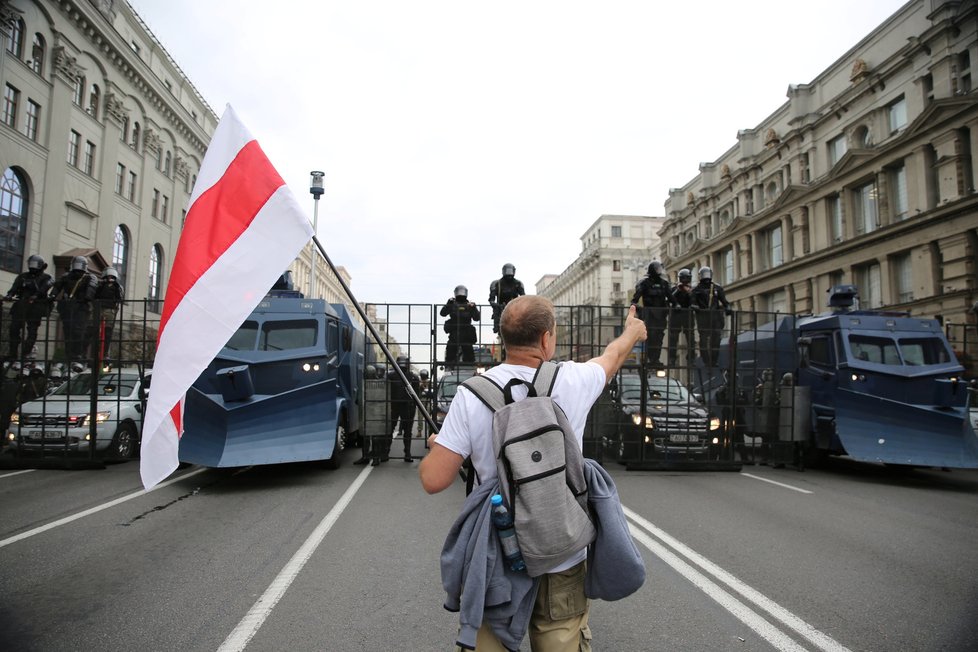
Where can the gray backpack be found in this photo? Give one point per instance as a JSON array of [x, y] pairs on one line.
[[540, 467]]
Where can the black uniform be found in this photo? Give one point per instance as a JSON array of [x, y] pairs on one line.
[[108, 299], [681, 322], [73, 293], [461, 332], [712, 305], [401, 409], [656, 296], [501, 292], [31, 305]]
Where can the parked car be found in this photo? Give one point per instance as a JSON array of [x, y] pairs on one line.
[[61, 421], [445, 391], [666, 422]]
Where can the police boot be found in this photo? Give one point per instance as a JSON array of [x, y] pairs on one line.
[[407, 447]]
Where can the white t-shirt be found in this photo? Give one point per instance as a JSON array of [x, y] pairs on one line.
[[468, 425]]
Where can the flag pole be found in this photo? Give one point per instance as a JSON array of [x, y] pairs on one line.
[[373, 331]]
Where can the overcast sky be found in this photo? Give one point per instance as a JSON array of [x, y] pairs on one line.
[[457, 136]]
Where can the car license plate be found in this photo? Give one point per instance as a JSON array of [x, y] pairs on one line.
[[683, 438], [44, 434]]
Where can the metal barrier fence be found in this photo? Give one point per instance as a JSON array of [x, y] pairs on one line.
[[73, 387]]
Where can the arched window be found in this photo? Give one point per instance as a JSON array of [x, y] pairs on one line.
[[78, 92], [13, 220], [120, 254], [155, 279], [93, 98], [15, 41], [37, 54], [134, 143]]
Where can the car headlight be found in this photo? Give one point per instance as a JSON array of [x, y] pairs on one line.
[[14, 418], [649, 423], [714, 423], [310, 366], [100, 417]]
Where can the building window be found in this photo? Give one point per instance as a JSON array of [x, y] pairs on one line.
[[864, 215], [125, 129], [37, 54], [134, 143], [155, 206], [868, 283], [775, 247], [902, 277], [78, 91], [13, 221], [727, 265], [837, 149], [131, 190], [93, 101], [898, 115], [89, 157], [74, 144], [806, 172], [15, 40], [168, 160], [135, 46], [120, 253], [964, 72], [898, 189], [120, 177], [33, 119], [777, 301], [164, 208], [11, 99], [616, 287], [616, 265], [615, 231], [155, 276], [835, 218]]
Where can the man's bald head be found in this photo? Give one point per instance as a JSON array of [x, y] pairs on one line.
[[525, 319]]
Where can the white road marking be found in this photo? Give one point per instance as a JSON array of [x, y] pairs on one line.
[[780, 484], [821, 640], [8, 475], [93, 510], [742, 612], [253, 620]]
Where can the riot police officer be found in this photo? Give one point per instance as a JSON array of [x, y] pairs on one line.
[[502, 291], [461, 333], [30, 296], [711, 307], [108, 300], [681, 317], [74, 292], [401, 408], [656, 297]]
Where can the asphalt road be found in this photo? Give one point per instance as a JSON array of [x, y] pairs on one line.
[[295, 557]]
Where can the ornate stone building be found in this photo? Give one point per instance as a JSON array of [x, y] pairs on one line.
[[866, 175], [101, 139], [615, 252]]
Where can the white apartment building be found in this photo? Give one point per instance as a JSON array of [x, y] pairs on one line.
[[615, 253], [866, 175]]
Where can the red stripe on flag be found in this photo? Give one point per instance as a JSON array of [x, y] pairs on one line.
[[176, 413], [218, 218]]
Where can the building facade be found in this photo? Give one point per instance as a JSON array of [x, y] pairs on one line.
[[101, 139], [615, 253], [866, 175]]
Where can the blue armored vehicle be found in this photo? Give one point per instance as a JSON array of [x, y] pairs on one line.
[[287, 387], [875, 386]]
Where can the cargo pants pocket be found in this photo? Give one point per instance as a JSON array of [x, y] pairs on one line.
[[565, 593]]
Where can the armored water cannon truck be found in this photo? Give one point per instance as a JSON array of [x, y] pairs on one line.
[[287, 387], [873, 385]]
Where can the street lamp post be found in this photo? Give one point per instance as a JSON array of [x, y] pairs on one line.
[[316, 190]]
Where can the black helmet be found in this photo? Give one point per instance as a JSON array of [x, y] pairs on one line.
[[655, 267], [79, 263], [509, 269], [423, 373], [35, 262], [461, 291], [403, 361], [706, 274], [685, 276], [109, 272]]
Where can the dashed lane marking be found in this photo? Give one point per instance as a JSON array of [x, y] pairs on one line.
[[10, 475], [780, 484]]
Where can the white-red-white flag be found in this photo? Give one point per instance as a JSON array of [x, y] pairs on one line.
[[243, 229]]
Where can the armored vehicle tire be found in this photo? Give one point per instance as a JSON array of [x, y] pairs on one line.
[[123, 446], [334, 460]]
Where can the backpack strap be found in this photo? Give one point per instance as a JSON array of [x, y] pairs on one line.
[[545, 378], [486, 391]]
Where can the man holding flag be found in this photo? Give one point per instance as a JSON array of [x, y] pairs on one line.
[[240, 212]]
